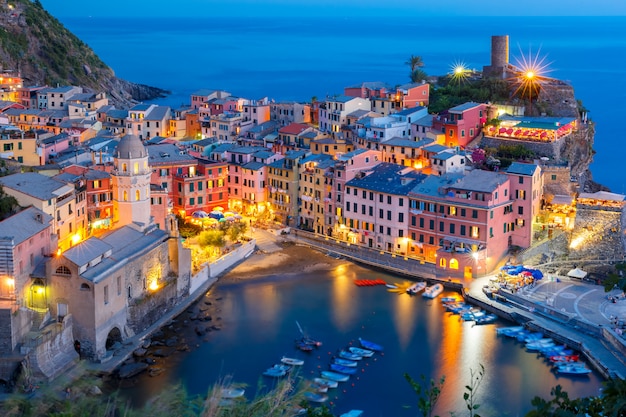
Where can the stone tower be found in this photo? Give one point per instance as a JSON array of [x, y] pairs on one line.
[[131, 183], [499, 57]]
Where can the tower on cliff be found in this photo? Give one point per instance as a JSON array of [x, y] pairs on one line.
[[131, 183], [499, 58]]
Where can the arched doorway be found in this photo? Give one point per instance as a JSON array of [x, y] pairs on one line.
[[114, 336], [38, 295]]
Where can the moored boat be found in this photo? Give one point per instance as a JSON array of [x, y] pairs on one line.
[[232, 392], [316, 397], [510, 331], [349, 355], [575, 368], [274, 373], [345, 362], [416, 288], [328, 382], [335, 376], [370, 345], [303, 346], [318, 387], [366, 353], [564, 358], [292, 361], [433, 291], [342, 369]]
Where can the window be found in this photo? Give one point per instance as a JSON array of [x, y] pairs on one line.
[[421, 222], [521, 180], [553, 177], [381, 213], [388, 199], [400, 217], [85, 287], [462, 212], [462, 230], [119, 285], [520, 210], [431, 224], [474, 231], [452, 228], [401, 202], [388, 214], [63, 270], [474, 214], [106, 294], [441, 226], [452, 211]]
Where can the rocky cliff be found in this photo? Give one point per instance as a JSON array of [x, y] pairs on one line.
[[37, 45]]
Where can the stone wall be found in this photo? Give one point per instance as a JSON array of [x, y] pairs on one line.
[[549, 149], [56, 353], [145, 311]]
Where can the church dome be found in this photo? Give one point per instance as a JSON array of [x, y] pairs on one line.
[[130, 147]]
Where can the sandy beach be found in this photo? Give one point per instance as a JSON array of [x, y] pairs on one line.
[[290, 260]]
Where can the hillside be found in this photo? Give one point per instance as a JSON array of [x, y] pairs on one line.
[[37, 45]]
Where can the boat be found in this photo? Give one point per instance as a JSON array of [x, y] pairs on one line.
[[281, 367], [274, 373], [446, 300], [573, 369], [318, 387], [486, 319], [306, 339], [416, 288], [564, 358], [345, 362], [509, 331], [316, 397], [328, 382], [370, 345], [232, 392], [303, 346], [365, 353], [433, 291], [352, 413], [335, 376], [392, 286], [342, 369], [349, 355], [292, 361], [541, 343]]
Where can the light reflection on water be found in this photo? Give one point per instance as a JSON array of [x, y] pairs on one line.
[[258, 320]]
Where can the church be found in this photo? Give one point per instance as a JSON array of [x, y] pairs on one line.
[[117, 284]]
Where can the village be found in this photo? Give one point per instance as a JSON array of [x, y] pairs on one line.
[[94, 251]]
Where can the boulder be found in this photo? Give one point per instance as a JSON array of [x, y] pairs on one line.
[[132, 369]]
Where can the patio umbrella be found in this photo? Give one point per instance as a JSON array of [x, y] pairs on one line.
[[229, 214], [238, 216], [199, 214], [218, 209], [222, 220], [216, 215]]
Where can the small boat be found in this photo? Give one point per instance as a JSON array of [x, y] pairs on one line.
[[303, 346], [573, 369], [433, 291], [352, 413], [365, 353], [370, 345], [564, 358], [349, 355], [509, 331], [318, 387], [274, 373], [345, 362], [316, 397], [311, 342], [541, 343], [232, 392], [323, 381], [281, 367], [335, 376], [392, 286], [486, 319], [416, 288], [292, 361], [342, 369], [445, 300]]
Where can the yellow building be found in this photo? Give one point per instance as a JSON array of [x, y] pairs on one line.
[[282, 182]]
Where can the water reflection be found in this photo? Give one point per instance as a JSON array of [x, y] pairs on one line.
[[420, 338]]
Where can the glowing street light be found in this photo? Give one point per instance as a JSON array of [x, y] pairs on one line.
[[529, 76]]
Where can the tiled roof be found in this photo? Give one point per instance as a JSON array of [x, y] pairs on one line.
[[522, 169], [24, 225], [388, 178], [36, 185], [167, 153]]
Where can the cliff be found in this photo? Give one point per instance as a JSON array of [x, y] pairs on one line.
[[44, 52]]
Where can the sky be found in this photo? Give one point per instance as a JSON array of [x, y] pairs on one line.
[[341, 8]]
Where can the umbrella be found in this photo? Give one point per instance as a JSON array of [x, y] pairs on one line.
[[211, 220], [229, 214], [223, 219], [577, 273], [238, 216], [216, 215], [199, 214], [230, 218]]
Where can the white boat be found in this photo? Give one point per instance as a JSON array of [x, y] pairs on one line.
[[232, 392], [292, 361], [365, 353], [392, 286], [538, 344], [433, 291], [328, 382], [316, 397], [349, 355], [318, 387], [353, 413], [416, 288], [335, 376]]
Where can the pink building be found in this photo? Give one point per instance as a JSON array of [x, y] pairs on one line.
[[377, 207], [368, 89], [461, 124], [526, 190]]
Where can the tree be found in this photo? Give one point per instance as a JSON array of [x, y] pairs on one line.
[[236, 231], [8, 205], [417, 76], [616, 279], [213, 238], [415, 62], [428, 394]]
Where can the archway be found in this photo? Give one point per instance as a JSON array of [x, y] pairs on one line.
[[114, 336]]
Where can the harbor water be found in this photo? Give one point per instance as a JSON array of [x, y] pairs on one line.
[[258, 323]]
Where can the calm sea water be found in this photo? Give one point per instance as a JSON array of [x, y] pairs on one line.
[[258, 320], [298, 58]]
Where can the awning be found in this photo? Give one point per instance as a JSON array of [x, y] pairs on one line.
[[577, 273]]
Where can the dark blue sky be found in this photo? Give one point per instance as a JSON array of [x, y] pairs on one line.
[[316, 8]]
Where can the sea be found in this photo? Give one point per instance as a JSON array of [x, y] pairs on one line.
[[259, 319], [300, 58]]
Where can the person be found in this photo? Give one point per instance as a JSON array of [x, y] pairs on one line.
[[68, 393]]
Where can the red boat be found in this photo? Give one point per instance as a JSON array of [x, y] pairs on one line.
[[564, 358]]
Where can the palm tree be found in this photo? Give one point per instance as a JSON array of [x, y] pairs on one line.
[[415, 62]]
